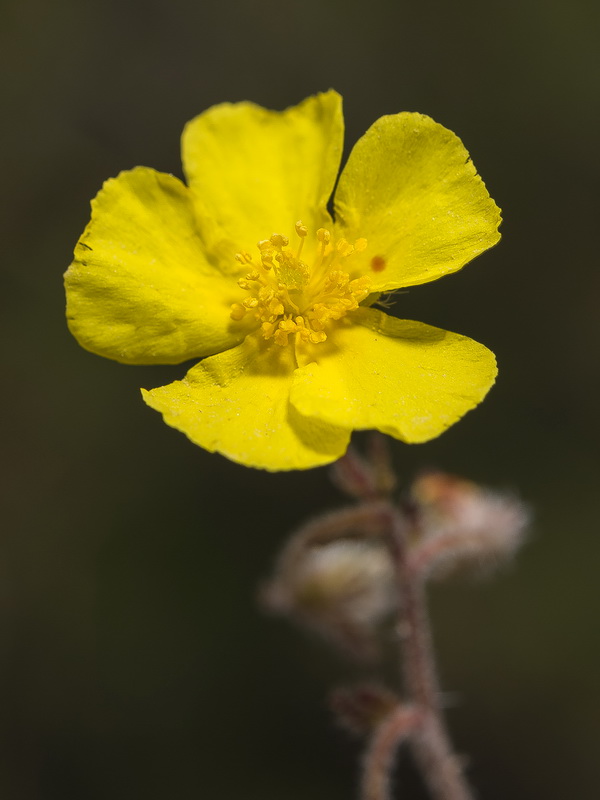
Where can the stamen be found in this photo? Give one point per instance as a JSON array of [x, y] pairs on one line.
[[238, 312], [243, 258], [301, 229], [267, 261], [344, 248], [279, 241], [321, 294], [302, 232]]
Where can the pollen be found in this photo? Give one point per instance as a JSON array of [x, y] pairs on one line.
[[288, 297]]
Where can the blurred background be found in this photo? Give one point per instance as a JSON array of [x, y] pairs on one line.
[[134, 661]]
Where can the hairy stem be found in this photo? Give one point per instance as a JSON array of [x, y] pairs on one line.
[[379, 758], [429, 739]]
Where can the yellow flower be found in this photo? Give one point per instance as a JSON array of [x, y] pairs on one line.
[[245, 268]]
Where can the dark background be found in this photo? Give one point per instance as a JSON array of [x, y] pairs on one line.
[[134, 662]]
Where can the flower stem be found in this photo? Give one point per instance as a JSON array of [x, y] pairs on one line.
[[380, 755], [428, 739]]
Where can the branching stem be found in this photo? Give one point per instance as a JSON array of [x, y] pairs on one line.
[[379, 759], [427, 737]]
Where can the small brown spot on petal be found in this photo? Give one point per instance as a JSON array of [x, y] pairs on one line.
[[377, 263]]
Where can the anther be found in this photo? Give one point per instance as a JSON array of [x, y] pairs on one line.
[[268, 329], [238, 312], [301, 229], [344, 248], [266, 294], [323, 235], [302, 232], [279, 240]]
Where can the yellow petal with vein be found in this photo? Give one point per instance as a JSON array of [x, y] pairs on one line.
[[403, 378], [140, 289], [254, 172], [411, 189], [237, 403]]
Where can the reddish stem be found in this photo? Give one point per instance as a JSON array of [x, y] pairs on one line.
[[429, 739], [379, 759]]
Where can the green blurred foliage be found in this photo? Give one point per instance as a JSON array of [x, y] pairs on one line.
[[133, 659]]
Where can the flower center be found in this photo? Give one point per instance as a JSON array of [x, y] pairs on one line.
[[286, 296]]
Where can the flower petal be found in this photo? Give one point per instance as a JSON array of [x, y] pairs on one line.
[[140, 289], [237, 403], [254, 171], [403, 378], [411, 189]]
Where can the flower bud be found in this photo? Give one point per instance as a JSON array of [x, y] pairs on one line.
[[462, 523], [342, 589]]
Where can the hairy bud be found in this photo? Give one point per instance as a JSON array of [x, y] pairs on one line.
[[462, 523], [343, 590]]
